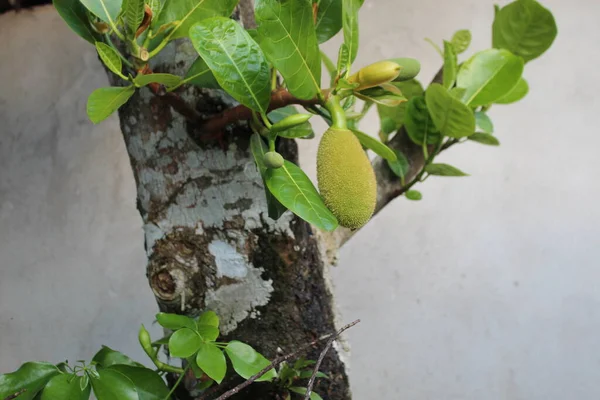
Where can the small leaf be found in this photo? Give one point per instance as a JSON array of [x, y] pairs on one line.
[[329, 19], [302, 390], [259, 148], [484, 138], [110, 58], [343, 61], [517, 93], [236, 61], [483, 121], [148, 384], [248, 362], [443, 170], [373, 144], [106, 357], [66, 387], [75, 15], [525, 28], [113, 385], [450, 65], [84, 382], [207, 332], [400, 167], [417, 121], [175, 321], [290, 185], [184, 342], [105, 101], [291, 46], [304, 130], [457, 92], [387, 95], [106, 10], [164, 79], [209, 318], [488, 76], [350, 25], [413, 195], [134, 14], [308, 374], [461, 41], [31, 376], [392, 118], [200, 75], [330, 66], [212, 361], [450, 115]]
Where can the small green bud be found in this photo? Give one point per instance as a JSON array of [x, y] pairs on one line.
[[410, 68], [375, 74], [273, 160], [290, 122], [145, 340]]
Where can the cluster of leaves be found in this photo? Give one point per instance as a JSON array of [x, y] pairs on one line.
[[113, 375], [455, 109]]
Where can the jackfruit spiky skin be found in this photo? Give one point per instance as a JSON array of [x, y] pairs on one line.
[[346, 178]]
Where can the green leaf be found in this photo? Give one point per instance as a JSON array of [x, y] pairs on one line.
[[443, 170], [461, 41], [350, 24], [450, 65], [302, 390], [31, 376], [329, 66], [452, 117], [259, 148], [413, 195], [329, 19], [163, 79], [184, 342], [457, 92], [200, 75], [484, 138], [189, 12], [148, 384], [489, 75], [84, 382], [198, 373], [483, 121], [288, 39], [400, 167], [208, 332], [75, 15], [525, 28], [106, 10], [113, 385], [175, 321], [247, 362], [65, 387], [110, 58], [307, 374], [392, 118], [517, 93], [417, 121], [236, 61], [304, 130], [212, 361], [209, 318], [156, 6], [105, 101], [373, 144], [134, 14], [387, 95], [290, 185], [106, 357], [343, 61]]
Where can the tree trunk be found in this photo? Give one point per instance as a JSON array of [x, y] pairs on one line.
[[209, 241]]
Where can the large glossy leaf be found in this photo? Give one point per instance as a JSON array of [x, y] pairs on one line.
[[304, 130], [106, 357], [184, 342], [65, 387], [109, 57], [31, 376], [451, 117], [489, 75], [329, 19], [75, 15], [525, 28], [461, 40], [392, 118], [212, 361], [517, 93], [287, 36], [106, 10], [417, 121], [188, 12], [113, 385], [236, 61], [350, 24], [450, 65], [290, 185], [134, 14], [164, 79], [373, 144], [247, 362], [148, 384], [105, 101], [259, 148], [200, 75]]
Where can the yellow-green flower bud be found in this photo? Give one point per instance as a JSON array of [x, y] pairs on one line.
[[375, 74]]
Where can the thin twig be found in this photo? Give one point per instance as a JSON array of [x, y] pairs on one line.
[[332, 339], [279, 360], [15, 395]]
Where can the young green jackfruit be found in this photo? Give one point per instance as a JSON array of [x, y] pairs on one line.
[[346, 178]]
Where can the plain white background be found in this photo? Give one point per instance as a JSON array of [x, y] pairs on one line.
[[486, 289]]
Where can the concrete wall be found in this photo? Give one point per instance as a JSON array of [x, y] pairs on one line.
[[486, 289]]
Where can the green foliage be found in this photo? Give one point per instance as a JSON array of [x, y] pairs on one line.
[[200, 75], [75, 15], [147, 383], [106, 10], [515, 94], [110, 58], [259, 149], [461, 40], [212, 361], [111, 384], [106, 357], [134, 14], [184, 342], [105, 101], [450, 116], [418, 123], [248, 362], [413, 195], [303, 130], [450, 65], [163, 79], [443, 170], [485, 138], [483, 122], [302, 391], [66, 387], [392, 118], [31, 376], [329, 19], [350, 26], [400, 166], [373, 144]]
